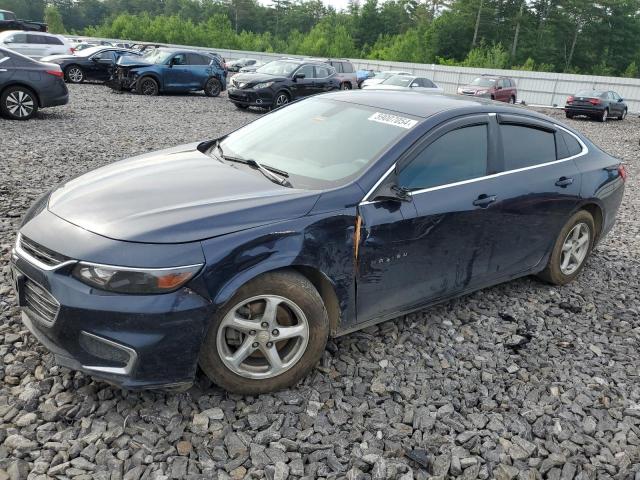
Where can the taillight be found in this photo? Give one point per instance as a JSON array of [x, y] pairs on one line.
[[72, 50], [594, 101], [56, 73], [622, 172], [570, 100]]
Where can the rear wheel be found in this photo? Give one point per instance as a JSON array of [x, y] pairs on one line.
[[512, 100], [18, 103], [569, 115], [148, 86], [74, 74], [268, 336], [605, 115], [571, 249], [213, 87], [345, 86]]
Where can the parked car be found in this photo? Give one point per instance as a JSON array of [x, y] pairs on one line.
[[362, 75], [380, 77], [78, 47], [27, 85], [502, 89], [236, 65], [9, 21], [243, 254], [407, 82], [598, 104], [345, 73], [95, 63], [279, 82], [170, 70], [251, 68], [35, 45]]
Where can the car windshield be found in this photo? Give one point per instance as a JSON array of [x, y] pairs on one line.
[[483, 82], [320, 143], [384, 75], [589, 93], [158, 56], [399, 80], [85, 52], [278, 67]]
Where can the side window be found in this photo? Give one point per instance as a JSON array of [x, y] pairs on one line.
[[37, 39], [573, 147], [53, 41], [18, 38], [526, 146], [322, 72], [347, 67], [337, 66], [307, 70], [108, 55], [456, 156], [195, 59], [179, 59], [428, 83], [417, 82]]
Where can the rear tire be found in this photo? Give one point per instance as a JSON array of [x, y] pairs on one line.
[[345, 86], [74, 74], [623, 115], [572, 243], [18, 103], [512, 100], [238, 351], [213, 87], [148, 86], [569, 115], [604, 116]]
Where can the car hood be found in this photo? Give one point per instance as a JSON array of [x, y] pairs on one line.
[[254, 77], [174, 196]]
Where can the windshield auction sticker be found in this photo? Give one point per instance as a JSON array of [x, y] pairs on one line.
[[395, 120]]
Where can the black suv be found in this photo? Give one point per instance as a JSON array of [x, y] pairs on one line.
[[281, 81]]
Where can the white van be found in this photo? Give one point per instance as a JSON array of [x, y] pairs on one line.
[[35, 44]]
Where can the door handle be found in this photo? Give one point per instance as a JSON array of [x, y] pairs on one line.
[[484, 200], [564, 182], [3, 69]]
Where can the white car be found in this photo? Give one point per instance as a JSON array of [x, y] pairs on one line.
[[381, 77], [35, 44], [407, 82]]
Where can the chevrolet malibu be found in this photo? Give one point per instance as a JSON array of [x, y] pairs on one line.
[[244, 254]]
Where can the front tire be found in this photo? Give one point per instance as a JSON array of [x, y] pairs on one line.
[[623, 115], [148, 86], [74, 74], [18, 103], [605, 115], [282, 98], [268, 336], [570, 250], [241, 106], [213, 87]]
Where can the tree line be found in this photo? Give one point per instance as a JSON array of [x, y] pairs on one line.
[[574, 36]]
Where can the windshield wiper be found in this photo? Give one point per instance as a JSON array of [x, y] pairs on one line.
[[266, 170]]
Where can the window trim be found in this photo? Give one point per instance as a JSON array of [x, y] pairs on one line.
[[313, 66], [367, 201]]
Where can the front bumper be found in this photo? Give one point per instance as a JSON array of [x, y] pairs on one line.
[[251, 98], [134, 341]]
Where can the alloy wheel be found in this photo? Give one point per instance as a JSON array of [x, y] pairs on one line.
[[605, 115], [149, 87], [262, 337], [281, 100], [75, 75], [575, 248], [20, 104], [213, 88]]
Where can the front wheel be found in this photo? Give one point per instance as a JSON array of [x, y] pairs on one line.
[[280, 101], [605, 115], [148, 86], [18, 103], [268, 336], [623, 115], [213, 87], [571, 249]]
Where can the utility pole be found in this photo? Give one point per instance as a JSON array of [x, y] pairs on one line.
[[475, 32], [515, 36]]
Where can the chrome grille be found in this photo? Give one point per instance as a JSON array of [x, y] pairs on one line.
[[40, 253], [40, 302]]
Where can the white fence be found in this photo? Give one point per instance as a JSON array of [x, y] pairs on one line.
[[538, 88]]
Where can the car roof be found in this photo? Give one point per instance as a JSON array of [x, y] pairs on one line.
[[421, 104], [185, 50]]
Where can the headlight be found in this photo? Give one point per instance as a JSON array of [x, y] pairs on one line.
[[482, 92], [258, 86], [134, 280]]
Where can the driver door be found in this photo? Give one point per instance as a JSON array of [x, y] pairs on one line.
[[100, 65], [304, 86], [177, 74], [432, 247]]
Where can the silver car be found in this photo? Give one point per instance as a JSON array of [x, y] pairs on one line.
[[380, 77], [406, 82]]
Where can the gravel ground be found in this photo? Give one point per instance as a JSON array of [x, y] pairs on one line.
[[522, 380]]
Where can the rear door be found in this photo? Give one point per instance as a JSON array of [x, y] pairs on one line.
[[19, 43], [55, 46], [502, 90], [536, 190], [200, 70], [322, 80]]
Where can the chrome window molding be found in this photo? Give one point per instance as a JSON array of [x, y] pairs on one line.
[[126, 370], [34, 261], [585, 150]]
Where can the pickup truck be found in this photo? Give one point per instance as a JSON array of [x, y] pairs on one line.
[[8, 21]]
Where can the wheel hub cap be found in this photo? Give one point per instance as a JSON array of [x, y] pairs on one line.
[[20, 104], [575, 249], [262, 337]]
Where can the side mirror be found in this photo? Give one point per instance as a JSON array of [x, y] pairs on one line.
[[621, 99], [413, 85], [298, 76]]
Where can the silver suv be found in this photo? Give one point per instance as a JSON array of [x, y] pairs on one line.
[[345, 73]]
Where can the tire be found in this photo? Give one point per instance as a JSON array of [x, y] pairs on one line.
[[569, 115], [280, 100], [554, 272], [148, 86], [213, 87], [345, 86], [241, 106], [512, 100], [74, 74], [293, 297], [604, 116], [18, 103], [623, 115]]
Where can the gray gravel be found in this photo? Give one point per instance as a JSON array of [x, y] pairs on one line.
[[521, 381]]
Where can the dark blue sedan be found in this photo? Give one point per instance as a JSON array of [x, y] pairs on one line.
[[244, 254], [170, 70]]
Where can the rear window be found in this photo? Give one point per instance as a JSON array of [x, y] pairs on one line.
[[337, 66], [573, 146], [37, 39], [526, 146], [590, 93]]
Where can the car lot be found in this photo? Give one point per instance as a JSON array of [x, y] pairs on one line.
[[522, 377]]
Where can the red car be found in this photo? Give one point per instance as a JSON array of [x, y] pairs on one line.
[[498, 88]]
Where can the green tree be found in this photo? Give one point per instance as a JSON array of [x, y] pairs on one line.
[[54, 19]]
